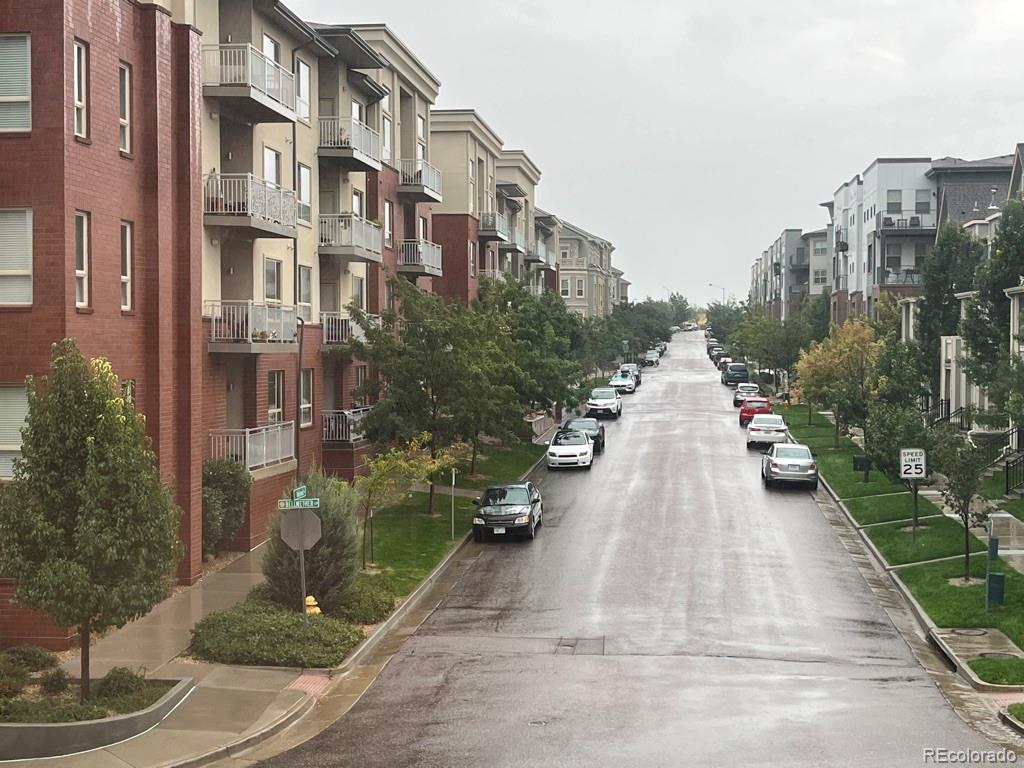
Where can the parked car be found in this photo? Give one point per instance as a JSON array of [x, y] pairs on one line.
[[662, 347], [735, 373], [604, 401], [676, 329], [719, 353], [623, 382], [723, 361], [635, 370], [743, 391], [752, 407], [652, 357], [516, 508], [713, 342], [570, 449], [789, 463], [766, 428], [591, 427]]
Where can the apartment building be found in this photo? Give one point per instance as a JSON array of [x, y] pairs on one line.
[[779, 279], [585, 271], [970, 190], [619, 287], [819, 269], [519, 256], [547, 230]]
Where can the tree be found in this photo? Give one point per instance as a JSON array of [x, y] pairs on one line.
[[892, 427], [816, 314], [962, 464], [86, 528], [899, 383], [724, 318], [682, 311], [948, 269]]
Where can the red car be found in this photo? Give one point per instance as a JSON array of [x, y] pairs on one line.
[[751, 407]]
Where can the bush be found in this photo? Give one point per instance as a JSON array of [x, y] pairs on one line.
[[119, 683], [264, 634], [32, 657], [13, 677], [226, 486], [55, 681], [331, 563], [22, 711], [368, 601]]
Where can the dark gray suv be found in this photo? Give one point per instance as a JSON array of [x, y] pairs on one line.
[[507, 510]]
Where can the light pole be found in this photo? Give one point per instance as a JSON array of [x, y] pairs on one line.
[[713, 285]]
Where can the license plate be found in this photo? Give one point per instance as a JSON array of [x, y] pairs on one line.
[[794, 468], [499, 530]]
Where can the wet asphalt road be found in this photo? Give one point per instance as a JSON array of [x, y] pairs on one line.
[[671, 612]]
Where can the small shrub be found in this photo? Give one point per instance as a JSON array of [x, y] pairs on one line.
[[23, 711], [213, 520], [368, 601], [55, 681], [226, 486], [13, 676], [265, 634], [119, 683], [32, 657]]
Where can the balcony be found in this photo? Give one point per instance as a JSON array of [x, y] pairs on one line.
[[256, 448], [547, 257], [905, 223], [339, 328], [355, 146], [532, 255], [251, 87], [350, 237], [248, 327], [419, 258], [344, 426], [898, 276], [799, 288], [247, 203], [516, 242], [493, 227], [419, 181], [800, 259]]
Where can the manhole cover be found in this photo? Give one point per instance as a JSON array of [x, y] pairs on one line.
[[997, 655], [970, 632]]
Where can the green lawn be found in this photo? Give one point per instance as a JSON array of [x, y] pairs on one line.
[[408, 543], [1015, 508], [1017, 710], [500, 465], [939, 537], [796, 415], [837, 467], [885, 509], [1001, 672], [993, 487]]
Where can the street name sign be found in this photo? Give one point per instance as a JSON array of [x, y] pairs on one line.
[[298, 504], [912, 464], [299, 492]]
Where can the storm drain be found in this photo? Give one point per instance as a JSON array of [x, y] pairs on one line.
[[970, 632], [580, 646]]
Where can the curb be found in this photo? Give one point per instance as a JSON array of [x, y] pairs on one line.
[[1010, 720]]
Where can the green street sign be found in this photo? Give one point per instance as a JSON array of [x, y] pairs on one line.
[[298, 504], [299, 492]]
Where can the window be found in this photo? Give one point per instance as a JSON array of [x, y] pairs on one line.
[[358, 290], [389, 223], [305, 293], [920, 254], [128, 391], [306, 397], [923, 201], [472, 187], [275, 396], [15, 83], [126, 265], [579, 287], [124, 107], [13, 412], [360, 383], [81, 259], [471, 250], [386, 138], [893, 256], [302, 89], [81, 88], [563, 253], [421, 150], [16, 256], [272, 279], [820, 276], [271, 165], [357, 202], [421, 128], [304, 193], [358, 111], [423, 228], [894, 201], [271, 49], [565, 288]]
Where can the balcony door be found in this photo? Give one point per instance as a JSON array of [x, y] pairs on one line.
[[235, 395], [272, 166], [329, 297], [328, 108], [328, 201]]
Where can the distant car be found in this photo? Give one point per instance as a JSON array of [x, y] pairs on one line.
[[676, 329], [662, 347], [789, 463], [766, 428], [723, 361], [635, 370], [719, 353], [623, 382], [508, 509], [652, 357], [592, 427], [752, 407], [570, 449], [604, 401], [712, 343], [744, 391], [735, 373]]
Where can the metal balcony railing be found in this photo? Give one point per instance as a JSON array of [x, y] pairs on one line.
[[242, 194], [341, 229], [257, 447], [900, 276], [492, 221], [343, 426], [420, 253], [242, 64], [349, 133], [250, 322], [420, 172], [337, 327]]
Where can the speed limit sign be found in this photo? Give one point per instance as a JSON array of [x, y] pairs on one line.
[[912, 464]]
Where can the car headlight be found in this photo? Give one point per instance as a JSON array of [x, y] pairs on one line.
[[521, 520], [478, 521], [582, 455], [553, 455]]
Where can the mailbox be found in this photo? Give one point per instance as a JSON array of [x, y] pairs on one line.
[[861, 463]]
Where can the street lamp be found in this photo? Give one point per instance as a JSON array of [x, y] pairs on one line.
[[713, 285]]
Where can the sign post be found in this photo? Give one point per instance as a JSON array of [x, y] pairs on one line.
[[453, 503], [300, 530], [913, 467]]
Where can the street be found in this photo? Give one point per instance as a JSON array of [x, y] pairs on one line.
[[671, 612]]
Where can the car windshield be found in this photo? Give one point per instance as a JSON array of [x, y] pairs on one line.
[[748, 388], [602, 394], [738, 367], [754, 402], [792, 452], [570, 438], [766, 420], [620, 377], [586, 424], [497, 497]]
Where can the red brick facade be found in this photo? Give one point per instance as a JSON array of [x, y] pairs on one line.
[[454, 232]]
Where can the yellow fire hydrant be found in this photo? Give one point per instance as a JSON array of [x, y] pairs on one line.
[[311, 606]]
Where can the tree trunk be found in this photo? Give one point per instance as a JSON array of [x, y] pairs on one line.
[[84, 634], [430, 479], [835, 419], [472, 461], [809, 413], [967, 549], [366, 520]]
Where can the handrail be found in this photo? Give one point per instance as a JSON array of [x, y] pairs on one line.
[[243, 194], [243, 64], [1014, 473], [349, 133], [420, 172]]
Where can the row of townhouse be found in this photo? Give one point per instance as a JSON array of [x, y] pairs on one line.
[[200, 191]]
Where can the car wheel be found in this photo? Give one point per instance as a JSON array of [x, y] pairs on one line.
[[533, 532], [540, 516], [590, 466], [477, 535], [814, 485], [767, 482]]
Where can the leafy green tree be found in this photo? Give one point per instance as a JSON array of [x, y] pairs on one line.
[[899, 383], [892, 427], [87, 529], [724, 318], [962, 463], [682, 311], [949, 268], [816, 314]]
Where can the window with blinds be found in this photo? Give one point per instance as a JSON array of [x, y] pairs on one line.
[[16, 256], [13, 412], [15, 83]]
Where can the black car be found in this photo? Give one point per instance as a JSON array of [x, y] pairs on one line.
[[735, 373], [592, 427], [506, 510]]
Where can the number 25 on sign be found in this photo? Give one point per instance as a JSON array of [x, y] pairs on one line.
[[912, 464]]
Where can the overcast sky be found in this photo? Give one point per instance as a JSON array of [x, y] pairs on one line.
[[691, 133]]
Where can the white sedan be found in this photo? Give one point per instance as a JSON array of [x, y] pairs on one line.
[[766, 428], [571, 449]]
